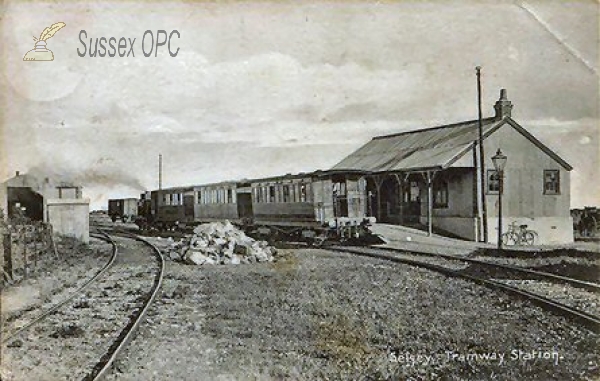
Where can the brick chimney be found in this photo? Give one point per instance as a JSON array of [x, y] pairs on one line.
[[503, 106]]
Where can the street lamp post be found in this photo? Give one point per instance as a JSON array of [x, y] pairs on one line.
[[499, 161]]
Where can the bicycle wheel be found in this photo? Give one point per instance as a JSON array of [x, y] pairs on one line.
[[528, 238], [508, 239]]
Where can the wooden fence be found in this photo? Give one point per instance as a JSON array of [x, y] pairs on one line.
[[23, 245]]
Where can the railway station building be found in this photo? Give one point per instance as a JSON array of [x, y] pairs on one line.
[[431, 177], [60, 204]]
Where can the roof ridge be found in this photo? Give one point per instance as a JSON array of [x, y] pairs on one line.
[[484, 120]]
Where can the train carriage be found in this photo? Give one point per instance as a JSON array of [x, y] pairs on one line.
[[311, 203], [191, 205], [306, 205]]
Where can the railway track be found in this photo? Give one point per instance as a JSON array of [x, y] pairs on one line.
[[461, 267], [15, 332], [80, 337]]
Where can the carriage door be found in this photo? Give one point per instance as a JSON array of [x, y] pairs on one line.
[[340, 199], [244, 204], [188, 205]]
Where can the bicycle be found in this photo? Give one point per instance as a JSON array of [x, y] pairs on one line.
[[519, 235]]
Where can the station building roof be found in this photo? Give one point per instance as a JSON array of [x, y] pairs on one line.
[[429, 149]]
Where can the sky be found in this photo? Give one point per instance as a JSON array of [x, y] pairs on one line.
[[267, 88]]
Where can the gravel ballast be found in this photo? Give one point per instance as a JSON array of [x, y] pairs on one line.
[[318, 315]]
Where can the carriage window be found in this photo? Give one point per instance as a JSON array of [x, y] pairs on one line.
[[293, 193], [286, 193], [493, 181], [302, 192], [271, 193], [551, 181], [229, 196], [198, 197]]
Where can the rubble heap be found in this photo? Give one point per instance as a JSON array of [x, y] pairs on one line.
[[222, 243]]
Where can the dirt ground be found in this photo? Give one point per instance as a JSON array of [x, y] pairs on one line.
[[315, 315]]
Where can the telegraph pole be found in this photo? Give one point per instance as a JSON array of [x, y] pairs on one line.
[[159, 171], [481, 158]]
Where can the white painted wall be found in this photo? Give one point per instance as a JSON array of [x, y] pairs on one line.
[[69, 217], [523, 199]]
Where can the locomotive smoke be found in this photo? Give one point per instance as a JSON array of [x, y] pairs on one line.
[[88, 177]]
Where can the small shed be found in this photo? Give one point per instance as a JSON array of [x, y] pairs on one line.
[[60, 204]]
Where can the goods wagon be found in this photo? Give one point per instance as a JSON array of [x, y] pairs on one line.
[[125, 209]]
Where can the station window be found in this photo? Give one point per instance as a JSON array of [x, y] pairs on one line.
[[230, 196], [362, 184], [339, 188], [293, 193], [286, 193], [264, 196], [551, 181], [198, 197], [440, 194], [493, 181]]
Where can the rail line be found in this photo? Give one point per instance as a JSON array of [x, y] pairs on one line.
[[11, 335], [554, 277], [586, 319], [103, 366], [128, 303]]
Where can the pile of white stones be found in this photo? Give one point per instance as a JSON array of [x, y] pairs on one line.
[[222, 243]]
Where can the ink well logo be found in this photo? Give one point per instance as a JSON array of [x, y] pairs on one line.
[[40, 52]]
